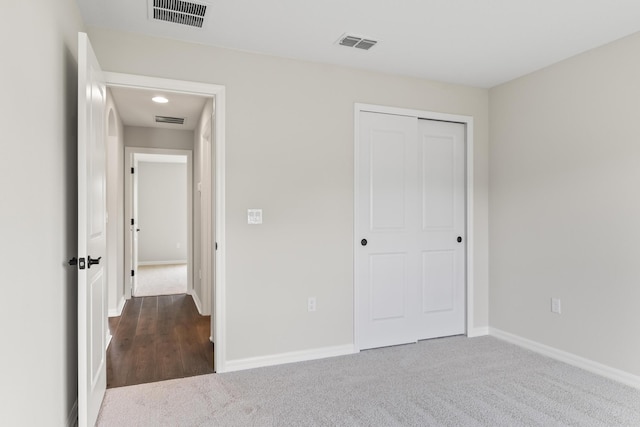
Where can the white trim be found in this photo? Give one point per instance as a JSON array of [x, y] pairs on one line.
[[196, 300], [171, 262], [569, 358], [72, 418], [219, 315], [131, 155], [469, 160], [118, 311], [291, 357], [478, 332]]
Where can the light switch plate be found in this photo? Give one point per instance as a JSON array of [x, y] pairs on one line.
[[254, 216]]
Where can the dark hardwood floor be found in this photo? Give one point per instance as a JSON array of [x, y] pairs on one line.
[[158, 338]]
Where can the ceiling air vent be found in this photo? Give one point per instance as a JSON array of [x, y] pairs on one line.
[[357, 42], [178, 12], [171, 120]]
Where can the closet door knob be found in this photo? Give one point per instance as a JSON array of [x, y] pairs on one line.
[[363, 242]]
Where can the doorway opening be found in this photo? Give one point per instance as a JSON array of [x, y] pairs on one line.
[[152, 322], [160, 211]]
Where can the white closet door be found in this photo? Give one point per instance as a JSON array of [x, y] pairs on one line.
[[387, 221], [410, 212], [441, 301]]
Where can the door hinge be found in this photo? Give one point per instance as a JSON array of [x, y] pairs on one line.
[[132, 221], [133, 273], [132, 170]]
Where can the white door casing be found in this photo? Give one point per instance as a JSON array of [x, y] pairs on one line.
[[410, 209], [218, 92], [206, 224], [133, 156], [92, 283]]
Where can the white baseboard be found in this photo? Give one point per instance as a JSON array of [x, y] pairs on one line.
[[569, 358], [291, 357], [196, 300], [171, 262], [478, 332], [118, 311], [72, 419]]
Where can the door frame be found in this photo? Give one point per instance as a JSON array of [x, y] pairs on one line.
[[469, 196], [218, 92], [131, 161]]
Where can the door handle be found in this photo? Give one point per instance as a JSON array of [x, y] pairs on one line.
[[363, 242], [459, 239], [93, 261]]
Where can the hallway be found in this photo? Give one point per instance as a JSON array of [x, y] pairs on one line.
[[158, 338]]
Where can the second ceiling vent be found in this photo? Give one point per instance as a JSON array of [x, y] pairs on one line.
[[170, 120], [356, 41], [178, 12]]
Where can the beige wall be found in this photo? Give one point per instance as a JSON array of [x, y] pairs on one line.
[[565, 205], [38, 83], [289, 133], [135, 136], [162, 212]]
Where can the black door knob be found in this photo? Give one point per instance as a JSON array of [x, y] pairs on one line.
[[459, 239], [93, 261], [363, 242]]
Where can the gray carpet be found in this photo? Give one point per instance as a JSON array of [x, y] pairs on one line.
[[453, 381], [167, 279]]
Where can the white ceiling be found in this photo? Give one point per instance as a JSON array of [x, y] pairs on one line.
[[473, 42], [137, 109]]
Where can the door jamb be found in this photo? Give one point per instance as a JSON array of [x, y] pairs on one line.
[[469, 196], [218, 92]]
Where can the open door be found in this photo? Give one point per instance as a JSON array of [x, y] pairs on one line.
[[135, 227], [92, 283]]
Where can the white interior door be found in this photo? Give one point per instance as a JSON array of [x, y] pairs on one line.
[[441, 298], [135, 226], [409, 264], [92, 283], [385, 258]]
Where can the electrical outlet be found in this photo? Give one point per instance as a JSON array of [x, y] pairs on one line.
[[311, 304], [556, 306]]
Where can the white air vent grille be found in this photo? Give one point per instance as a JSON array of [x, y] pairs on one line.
[[357, 42], [178, 12], [171, 120]]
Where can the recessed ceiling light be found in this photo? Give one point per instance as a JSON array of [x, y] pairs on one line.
[[160, 99]]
